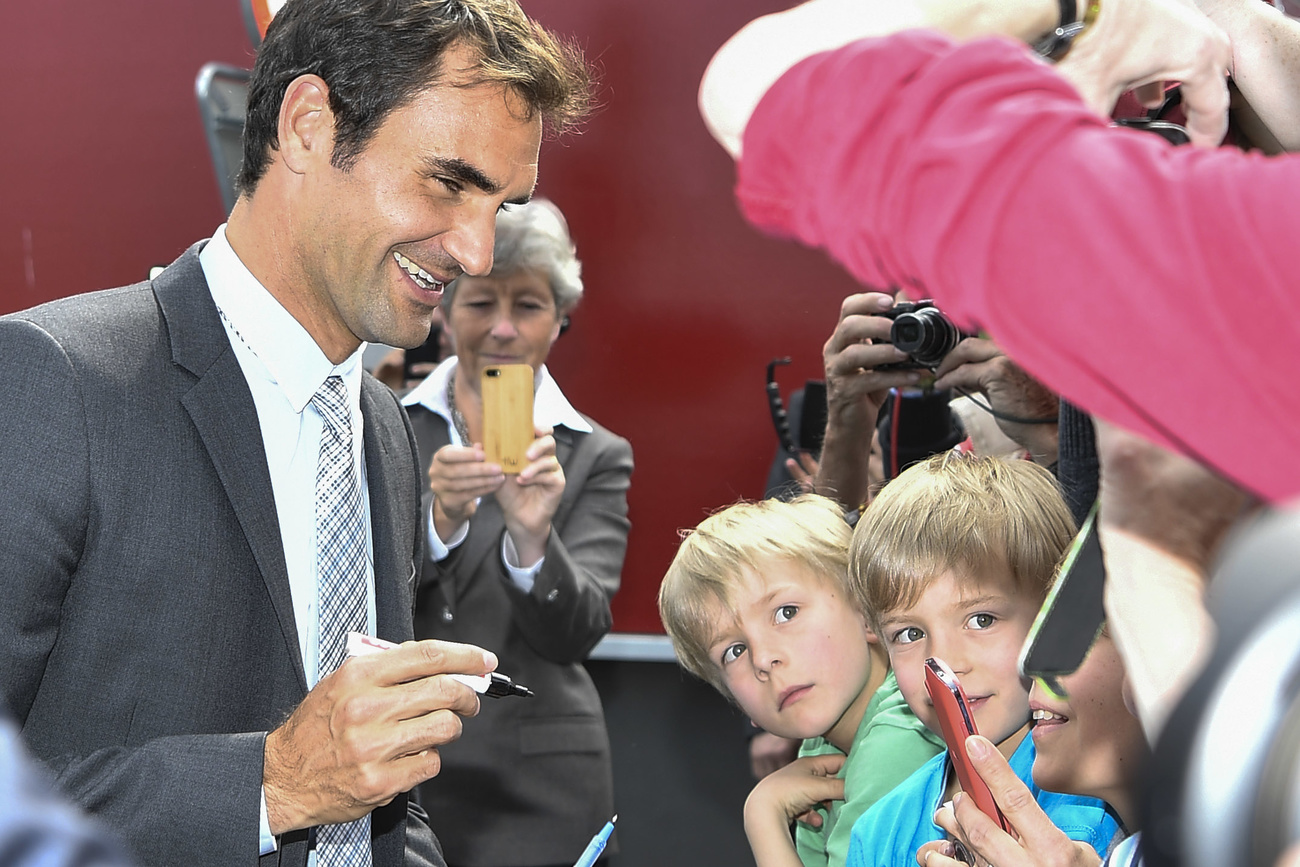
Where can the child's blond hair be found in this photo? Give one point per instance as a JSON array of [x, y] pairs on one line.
[[808, 531], [963, 513]]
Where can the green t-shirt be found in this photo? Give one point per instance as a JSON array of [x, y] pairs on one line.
[[890, 744]]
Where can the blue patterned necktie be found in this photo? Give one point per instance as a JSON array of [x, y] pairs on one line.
[[341, 573]]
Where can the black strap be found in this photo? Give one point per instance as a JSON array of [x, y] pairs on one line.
[[1069, 13]]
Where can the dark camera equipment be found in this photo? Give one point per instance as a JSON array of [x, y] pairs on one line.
[[914, 425], [428, 352], [810, 413], [1170, 132], [1224, 786], [922, 331]]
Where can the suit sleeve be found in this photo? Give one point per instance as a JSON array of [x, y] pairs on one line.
[[44, 526], [567, 611], [194, 794]]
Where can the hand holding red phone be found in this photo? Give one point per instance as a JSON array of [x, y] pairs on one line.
[[1034, 841], [958, 723]]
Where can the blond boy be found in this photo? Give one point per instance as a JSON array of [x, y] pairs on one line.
[[757, 602], [953, 560]]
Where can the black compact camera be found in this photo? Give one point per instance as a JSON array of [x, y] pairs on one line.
[[922, 331]]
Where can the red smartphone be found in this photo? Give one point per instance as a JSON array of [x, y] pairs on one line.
[[957, 723]]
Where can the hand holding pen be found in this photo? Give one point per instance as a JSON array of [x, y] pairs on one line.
[[368, 731], [493, 684]]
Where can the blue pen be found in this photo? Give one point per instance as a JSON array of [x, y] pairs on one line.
[[597, 844]]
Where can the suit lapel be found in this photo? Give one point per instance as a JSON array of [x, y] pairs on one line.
[[392, 549], [222, 409]]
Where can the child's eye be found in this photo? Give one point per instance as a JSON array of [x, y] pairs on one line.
[[908, 634], [732, 652], [981, 621], [786, 612]]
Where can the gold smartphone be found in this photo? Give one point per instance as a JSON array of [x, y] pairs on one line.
[[507, 391]]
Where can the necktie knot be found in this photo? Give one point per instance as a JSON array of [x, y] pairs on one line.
[[331, 401]]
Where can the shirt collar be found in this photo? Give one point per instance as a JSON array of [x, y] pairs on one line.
[[290, 354], [550, 407]]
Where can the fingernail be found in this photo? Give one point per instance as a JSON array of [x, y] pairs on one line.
[[884, 302], [977, 748], [490, 660]]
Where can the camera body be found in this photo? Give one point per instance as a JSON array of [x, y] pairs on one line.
[[922, 331]]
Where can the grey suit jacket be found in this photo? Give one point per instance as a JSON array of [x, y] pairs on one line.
[[530, 780], [147, 637]]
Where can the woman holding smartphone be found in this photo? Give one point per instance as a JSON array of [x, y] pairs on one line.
[[524, 565]]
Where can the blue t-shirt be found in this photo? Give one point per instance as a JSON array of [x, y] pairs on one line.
[[889, 833]]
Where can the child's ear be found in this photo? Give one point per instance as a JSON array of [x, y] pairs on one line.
[[872, 637]]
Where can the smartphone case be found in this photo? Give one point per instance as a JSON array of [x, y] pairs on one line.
[[957, 724], [507, 391]]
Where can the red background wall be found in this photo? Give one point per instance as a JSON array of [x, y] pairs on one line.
[[105, 172]]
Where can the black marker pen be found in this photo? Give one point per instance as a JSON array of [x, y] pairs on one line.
[[493, 684]]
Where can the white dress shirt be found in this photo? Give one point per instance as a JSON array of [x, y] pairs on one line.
[[285, 368], [550, 409]]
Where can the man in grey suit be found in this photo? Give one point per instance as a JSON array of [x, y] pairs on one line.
[[164, 641]]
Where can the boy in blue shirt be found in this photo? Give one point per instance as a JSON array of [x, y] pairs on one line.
[[953, 560], [758, 603]]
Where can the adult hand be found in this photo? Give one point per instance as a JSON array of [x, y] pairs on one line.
[[367, 732], [1040, 843], [458, 476], [856, 389], [803, 471], [530, 499], [1141, 45], [769, 753], [977, 364]]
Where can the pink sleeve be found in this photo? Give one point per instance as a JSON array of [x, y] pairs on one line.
[[1150, 285]]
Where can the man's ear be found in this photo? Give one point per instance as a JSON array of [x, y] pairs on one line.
[[306, 127]]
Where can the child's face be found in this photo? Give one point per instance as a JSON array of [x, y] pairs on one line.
[[1089, 743], [976, 626], [796, 655]]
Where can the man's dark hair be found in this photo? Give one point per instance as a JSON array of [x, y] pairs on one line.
[[378, 55]]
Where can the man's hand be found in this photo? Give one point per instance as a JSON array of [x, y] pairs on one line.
[[368, 732], [1141, 45], [458, 476], [1040, 843], [979, 365], [855, 391], [530, 499]]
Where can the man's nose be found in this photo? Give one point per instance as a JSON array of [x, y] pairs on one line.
[[470, 241]]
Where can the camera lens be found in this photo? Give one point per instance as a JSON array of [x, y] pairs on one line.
[[926, 335]]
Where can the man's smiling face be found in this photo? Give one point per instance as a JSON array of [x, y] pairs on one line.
[[377, 241]]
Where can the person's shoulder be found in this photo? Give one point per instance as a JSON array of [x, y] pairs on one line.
[[603, 435]]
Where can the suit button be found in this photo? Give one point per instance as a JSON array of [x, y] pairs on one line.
[[553, 595], [447, 616]]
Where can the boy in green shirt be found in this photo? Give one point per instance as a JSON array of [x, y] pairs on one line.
[[758, 603]]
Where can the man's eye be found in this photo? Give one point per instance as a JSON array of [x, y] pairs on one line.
[[451, 186], [786, 612], [981, 621], [732, 653], [908, 634]]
